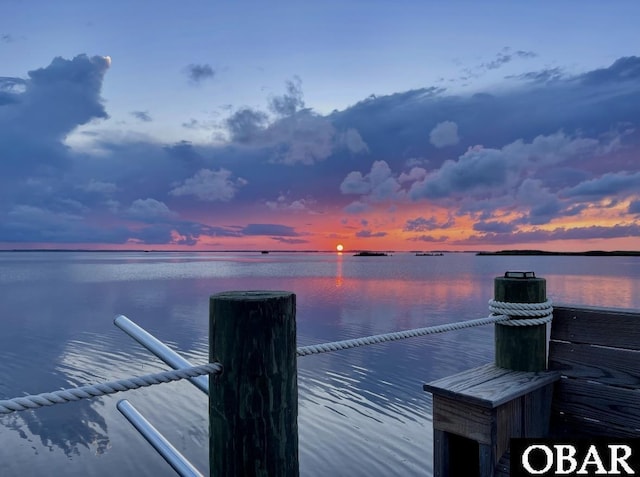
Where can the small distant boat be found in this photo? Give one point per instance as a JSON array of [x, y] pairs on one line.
[[370, 254], [438, 254], [265, 252]]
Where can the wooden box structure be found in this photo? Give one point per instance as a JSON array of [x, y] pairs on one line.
[[476, 412]]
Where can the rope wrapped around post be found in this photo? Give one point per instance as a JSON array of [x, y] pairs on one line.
[[539, 313]]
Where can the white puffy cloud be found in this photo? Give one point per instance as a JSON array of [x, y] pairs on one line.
[[209, 185]]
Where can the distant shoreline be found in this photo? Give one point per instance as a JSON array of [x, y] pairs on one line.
[[591, 253]]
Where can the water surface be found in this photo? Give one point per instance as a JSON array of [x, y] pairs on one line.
[[362, 411]]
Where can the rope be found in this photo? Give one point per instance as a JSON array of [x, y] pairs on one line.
[[502, 312], [103, 389], [539, 313], [398, 335]]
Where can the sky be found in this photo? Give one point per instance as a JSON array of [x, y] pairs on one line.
[[380, 125]]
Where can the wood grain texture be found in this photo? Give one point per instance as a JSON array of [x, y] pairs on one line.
[[489, 385], [597, 326], [253, 405], [618, 367], [466, 420], [610, 406]]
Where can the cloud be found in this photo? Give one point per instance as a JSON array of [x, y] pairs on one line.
[[357, 207], [420, 224], [269, 229], [559, 233], [611, 183], [379, 184], [506, 56], [290, 241], [99, 187], [142, 116], [149, 210], [354, 142], [245, 125], [299, 205], [198, 73], [209, 185], [429, 238], [495, 227], [634, 207], [38, 113], [480, 169], [290, 102], [444, 134], [369, 234]]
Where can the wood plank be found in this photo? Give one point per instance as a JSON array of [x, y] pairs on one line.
[[489, 385], [612, 406], [618, 367], [537, 412], [462, 419], [574, 427], [599, 326], [509, 424], [440, 453]]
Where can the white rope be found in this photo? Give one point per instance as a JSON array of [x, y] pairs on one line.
[[538, 313], [398, 335], [85, 392]]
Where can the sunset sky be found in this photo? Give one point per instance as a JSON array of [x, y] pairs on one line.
[[408, 125]]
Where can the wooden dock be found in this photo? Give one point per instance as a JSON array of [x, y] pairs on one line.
[[591, 389]]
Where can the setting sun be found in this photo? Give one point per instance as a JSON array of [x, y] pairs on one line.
[[339, 247]]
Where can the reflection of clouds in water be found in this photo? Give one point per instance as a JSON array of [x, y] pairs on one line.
[[67, 427], [70, 426]]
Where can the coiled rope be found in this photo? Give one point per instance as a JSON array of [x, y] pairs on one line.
[[536, 313], [103, 389]]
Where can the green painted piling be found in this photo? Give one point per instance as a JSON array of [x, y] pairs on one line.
[[253, 405], [521, 348]]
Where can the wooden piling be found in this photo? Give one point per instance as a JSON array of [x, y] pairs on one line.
[[253, 405], [521, 348]]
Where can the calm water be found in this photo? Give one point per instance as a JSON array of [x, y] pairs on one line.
[[362, 411]]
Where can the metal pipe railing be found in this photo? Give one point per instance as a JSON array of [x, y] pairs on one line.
[[159, 349], [169, 453]]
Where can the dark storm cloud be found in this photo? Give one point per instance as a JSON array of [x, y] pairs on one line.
[[142, 116], [198, 73], [269, 229]]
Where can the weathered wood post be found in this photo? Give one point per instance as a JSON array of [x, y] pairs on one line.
[[253, 405], [477, 412], [521, 348]]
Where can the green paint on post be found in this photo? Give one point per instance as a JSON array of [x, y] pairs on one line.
[[253, 405], [521, 348]]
